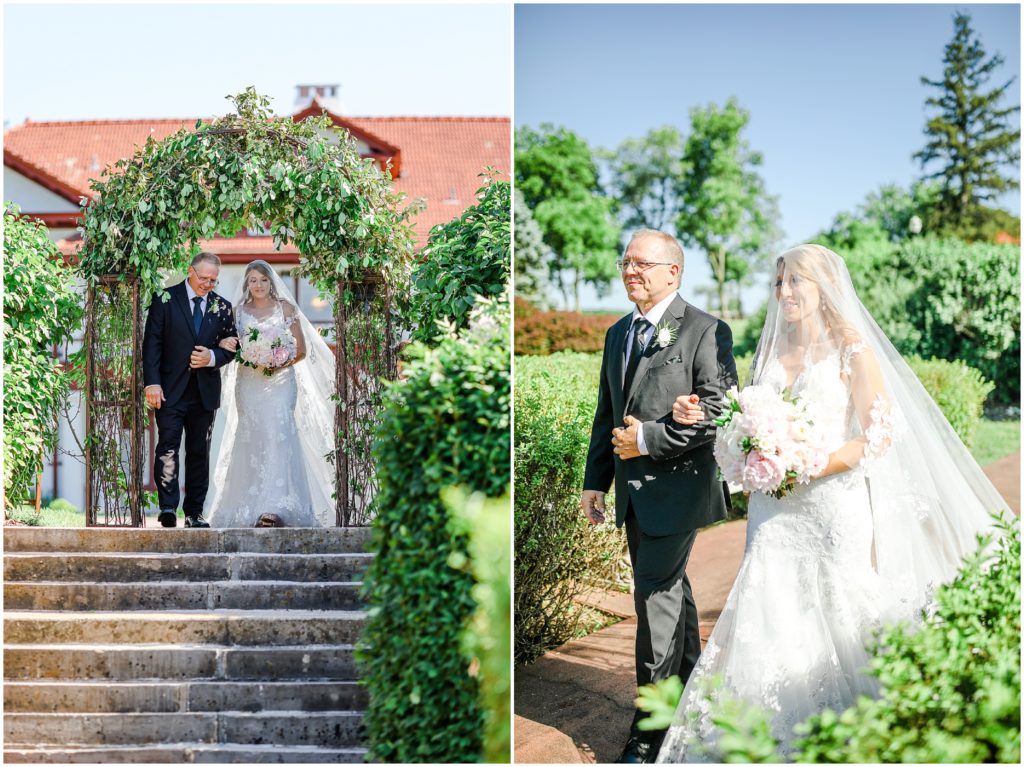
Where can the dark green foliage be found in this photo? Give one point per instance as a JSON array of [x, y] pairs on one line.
[[42, 309], [972, 142], [951, 690], [887, 215], [487, 637], [465, 258], [557, 552], [947, 299], [445, 424], [724, 208], [558, 177]]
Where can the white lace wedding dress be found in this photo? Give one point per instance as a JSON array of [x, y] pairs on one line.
[[265, 471], [791, 637]]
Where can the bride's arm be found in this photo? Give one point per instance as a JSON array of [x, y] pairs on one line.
[[872, 408], [296, 329]]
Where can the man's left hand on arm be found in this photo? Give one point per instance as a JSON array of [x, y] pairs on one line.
[[201, 357], [625, 439]]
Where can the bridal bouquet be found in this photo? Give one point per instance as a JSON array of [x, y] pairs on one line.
[[266, 350], [767, 442]]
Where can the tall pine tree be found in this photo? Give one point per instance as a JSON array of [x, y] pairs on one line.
[[971, 141]]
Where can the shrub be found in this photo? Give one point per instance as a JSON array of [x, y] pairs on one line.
[[950, 690], [557, 553], [62, 504], [41, 308], [486, 639], [551, 332], [445, 424], [947, 299], [467, 257], [957, 389]]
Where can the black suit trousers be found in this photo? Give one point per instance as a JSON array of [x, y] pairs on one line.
[[667, 636], [187, 416]]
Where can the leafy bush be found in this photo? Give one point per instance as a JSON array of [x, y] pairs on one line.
[[950, 690], [958, 390], [557, 553], [41, 308], [467, 257], [445, 424], [947, 299], [551, 332], [486, 639]]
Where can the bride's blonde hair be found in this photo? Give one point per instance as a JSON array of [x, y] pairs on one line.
[[821, 266]]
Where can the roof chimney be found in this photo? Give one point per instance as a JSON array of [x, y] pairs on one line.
[[325, 94]]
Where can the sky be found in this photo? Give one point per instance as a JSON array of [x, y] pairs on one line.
[[834, 91], [130, 60]]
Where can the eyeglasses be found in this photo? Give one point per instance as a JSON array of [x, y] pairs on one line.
[[639, 266], [213, 281]]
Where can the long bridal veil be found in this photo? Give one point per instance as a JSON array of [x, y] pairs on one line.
[[314, 409], [929, 498]]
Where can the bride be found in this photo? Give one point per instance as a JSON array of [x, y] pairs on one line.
[[273, 469], [863, 544]]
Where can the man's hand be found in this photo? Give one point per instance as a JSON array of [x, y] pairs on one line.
[[154, 396], [624, 439], [200, 357], [592, 504]]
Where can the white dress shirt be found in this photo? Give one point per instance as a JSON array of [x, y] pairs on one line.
[[653, 316], [202, 308]]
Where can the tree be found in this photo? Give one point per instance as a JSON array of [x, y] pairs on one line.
[[970, 139], [724, 208], [531, 255], [887, 215], [556, 172], [42, 309], [646, 173]]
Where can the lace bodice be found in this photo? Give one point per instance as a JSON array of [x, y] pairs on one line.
[[276, 319]]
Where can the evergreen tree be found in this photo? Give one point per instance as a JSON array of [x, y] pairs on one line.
[[971, 139]]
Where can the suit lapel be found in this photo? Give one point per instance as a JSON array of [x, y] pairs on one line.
[[211, 298], [181, 299], [618, 342], [674, 314]]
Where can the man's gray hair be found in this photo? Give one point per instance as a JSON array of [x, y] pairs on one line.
[[208, 257], [669, 246]]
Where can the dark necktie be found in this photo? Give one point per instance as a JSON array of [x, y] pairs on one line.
[[197, 313], [636, 351]]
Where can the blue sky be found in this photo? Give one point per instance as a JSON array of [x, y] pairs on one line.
[[834, 92], [118, 61]]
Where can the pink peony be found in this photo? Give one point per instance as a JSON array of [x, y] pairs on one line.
[[764, 471]]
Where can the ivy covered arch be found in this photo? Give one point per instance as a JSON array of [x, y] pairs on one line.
[[305, 181]]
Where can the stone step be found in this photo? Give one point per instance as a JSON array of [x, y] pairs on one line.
[[182, 595], [271, 540], [48, 697], [190, 566], [185, 753], [326, 728], [124, 662], [221, 627]]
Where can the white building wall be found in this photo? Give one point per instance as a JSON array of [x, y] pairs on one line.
[[33, 197]]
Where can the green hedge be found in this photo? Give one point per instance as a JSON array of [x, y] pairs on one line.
[[446, 424], [947, 299], [557, 552], [951, 690], [487, 638]]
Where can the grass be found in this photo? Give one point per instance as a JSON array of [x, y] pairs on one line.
[[995, 439], [69, 517]]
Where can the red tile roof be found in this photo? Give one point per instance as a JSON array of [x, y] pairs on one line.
[[441, 157]]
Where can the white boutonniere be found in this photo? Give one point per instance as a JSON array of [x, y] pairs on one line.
[[664, 335], [216, 306]]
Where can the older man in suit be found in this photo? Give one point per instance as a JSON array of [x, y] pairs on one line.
[[666, 484], [180, 360]]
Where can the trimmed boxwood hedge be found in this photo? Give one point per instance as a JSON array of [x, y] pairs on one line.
[[446, 424]]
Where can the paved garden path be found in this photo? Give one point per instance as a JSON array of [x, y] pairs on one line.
[[575, 703]]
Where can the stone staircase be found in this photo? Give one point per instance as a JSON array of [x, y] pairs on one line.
[[153, 645]]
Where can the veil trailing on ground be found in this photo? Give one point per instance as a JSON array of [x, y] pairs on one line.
[[314, 408], [929, 498]]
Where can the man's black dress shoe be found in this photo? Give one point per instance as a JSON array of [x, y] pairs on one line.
[[196, 521], [168, 518], [639, 751]]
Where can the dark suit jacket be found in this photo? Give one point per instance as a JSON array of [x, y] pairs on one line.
[[170, 337], [675, 488]]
